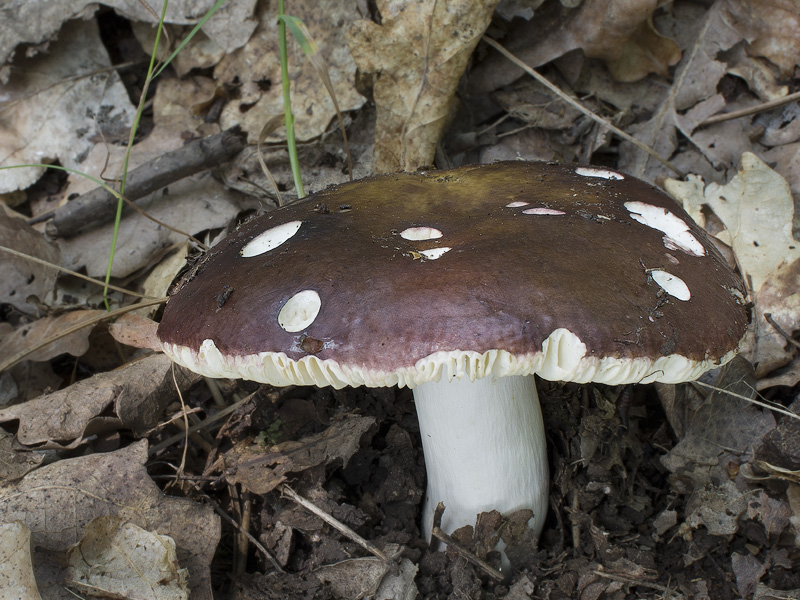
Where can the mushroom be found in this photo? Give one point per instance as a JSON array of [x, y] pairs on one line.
[[462, 285]]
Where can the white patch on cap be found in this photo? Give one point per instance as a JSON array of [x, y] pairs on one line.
[[678, 236], [299, 311], [602, 173], [516, 204], [270, 239], [434, 253], [543, 211], [419, 234], [672, 284]]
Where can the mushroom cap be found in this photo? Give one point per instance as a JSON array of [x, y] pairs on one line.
[[573, 272]]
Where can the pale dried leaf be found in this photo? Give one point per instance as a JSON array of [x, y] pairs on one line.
[[22, 281], [757, 209], [417, 56], [30, 335], [262, 472], [254, 70], [57, 501], [138, 393], [58, 106], [34, 23], [119, 559], [772, 28], [193, 204], [132, 329], [16, 569], [717, 507]]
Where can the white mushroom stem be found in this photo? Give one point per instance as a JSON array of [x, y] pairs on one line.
[[484, 449]]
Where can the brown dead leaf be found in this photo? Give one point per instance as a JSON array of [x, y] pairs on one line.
[[16, 569], [135, 330], [358, 577], [772, 29], [118, 559], [617, 31], [28, 336], [137, 392], [722, 430], [22, 281], [262, 472], [254, 70], [57, 501], [645, 51], [416, 57]]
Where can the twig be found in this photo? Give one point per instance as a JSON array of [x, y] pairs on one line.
[[233, 522], [577, 105], [7, 364], [98, 204], [45, 263], [785, 334], [746, 399], [668, 593], [750, 111], [467, 554], [179, 436], [309, 506]]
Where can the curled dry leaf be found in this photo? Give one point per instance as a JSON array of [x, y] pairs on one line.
[[16, 569], [771, 28], [57, 501], [262, 472], [416, 57], [28, 336], [118, 559], [23, 281], [138, 393], [135, 330]]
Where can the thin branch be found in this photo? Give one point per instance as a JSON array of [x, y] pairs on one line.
[[7, 364], [777, 409], [39, 261], [466, 554], [309, 506], [577, 105], [750, 111]]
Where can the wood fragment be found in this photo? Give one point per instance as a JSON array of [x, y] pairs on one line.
[[338, 525], [99, 205], [467, 554]]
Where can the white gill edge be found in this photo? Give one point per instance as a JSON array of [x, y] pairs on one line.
[[563, 358]]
